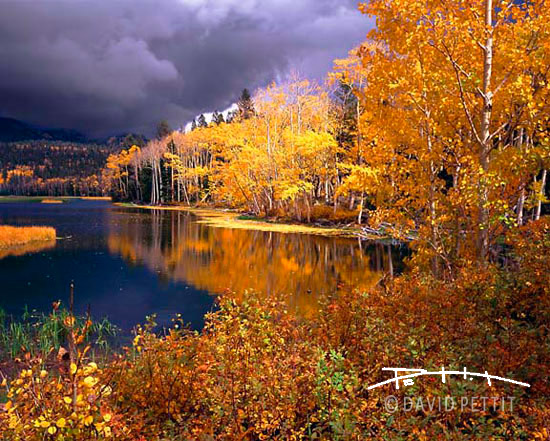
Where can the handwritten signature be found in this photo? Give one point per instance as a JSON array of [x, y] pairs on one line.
[[408, 378]]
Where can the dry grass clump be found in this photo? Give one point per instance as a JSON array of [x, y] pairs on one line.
[[17, 236], [95, 198]]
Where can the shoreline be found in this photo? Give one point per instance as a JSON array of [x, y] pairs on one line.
[[223, 218], [220, 218], [51, 198]]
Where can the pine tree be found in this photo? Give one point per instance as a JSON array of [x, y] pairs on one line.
[[346, 113], [231, 116], [201, 121], [163, 129], [245, 104], [218, 118]]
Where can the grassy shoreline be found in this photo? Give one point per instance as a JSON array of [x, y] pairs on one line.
[[11, 237], [46, 198], [221, 218], [214, 217]]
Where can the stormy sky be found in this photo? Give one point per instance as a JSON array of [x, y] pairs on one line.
[[111, 66]]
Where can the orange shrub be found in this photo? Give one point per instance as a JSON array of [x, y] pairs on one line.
[[250, 374]]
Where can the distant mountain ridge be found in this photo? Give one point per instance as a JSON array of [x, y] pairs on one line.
[[12, 130]]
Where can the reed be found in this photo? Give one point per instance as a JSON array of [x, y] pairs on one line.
[[40, 334], [17, 236]]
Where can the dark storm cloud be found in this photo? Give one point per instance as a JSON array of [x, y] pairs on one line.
[[107, 66]]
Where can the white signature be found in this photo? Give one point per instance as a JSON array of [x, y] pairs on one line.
[[408, 379]]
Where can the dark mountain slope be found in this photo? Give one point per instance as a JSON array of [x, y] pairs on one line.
[[14, 130]]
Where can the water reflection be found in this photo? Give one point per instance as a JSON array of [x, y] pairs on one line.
[[32, 247], [303, 267], [127, 264]]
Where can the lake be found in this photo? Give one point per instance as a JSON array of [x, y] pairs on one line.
[[129, 263]]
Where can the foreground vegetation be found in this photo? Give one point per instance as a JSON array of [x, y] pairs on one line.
[[18, 236], [256, 371]]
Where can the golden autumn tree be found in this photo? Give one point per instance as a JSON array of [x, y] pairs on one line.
[[118, 168], [191, 162], [456, 111], [281, 159]]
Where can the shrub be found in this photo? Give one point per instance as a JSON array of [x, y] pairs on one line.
[[72, 406]]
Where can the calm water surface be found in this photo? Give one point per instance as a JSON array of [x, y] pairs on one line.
[[129, 263]]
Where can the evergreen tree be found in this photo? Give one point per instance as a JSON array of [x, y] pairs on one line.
[[193, 125], [163, 129], [245, 104], [218, 118], [201, 121], [231, 116], [345, 112], [134, 139]]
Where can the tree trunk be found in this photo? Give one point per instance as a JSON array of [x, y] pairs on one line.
[[351, 201], [159, 181], [521, 203], [541, 195], [360, 215], [484, 150], [390, 262]]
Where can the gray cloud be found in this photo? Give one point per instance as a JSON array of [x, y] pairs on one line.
[[107, 66]]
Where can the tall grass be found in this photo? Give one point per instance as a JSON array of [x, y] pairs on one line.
[[40, 334], [17, 236]]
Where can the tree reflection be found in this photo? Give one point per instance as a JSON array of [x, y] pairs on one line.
[[304, 268]]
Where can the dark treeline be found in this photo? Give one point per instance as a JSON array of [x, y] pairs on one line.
[[53, 168]]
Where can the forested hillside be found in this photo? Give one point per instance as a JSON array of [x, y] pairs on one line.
[[54, 162], [53, 168]]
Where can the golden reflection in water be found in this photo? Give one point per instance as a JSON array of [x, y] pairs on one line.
[[301, 267], [31, 247]]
